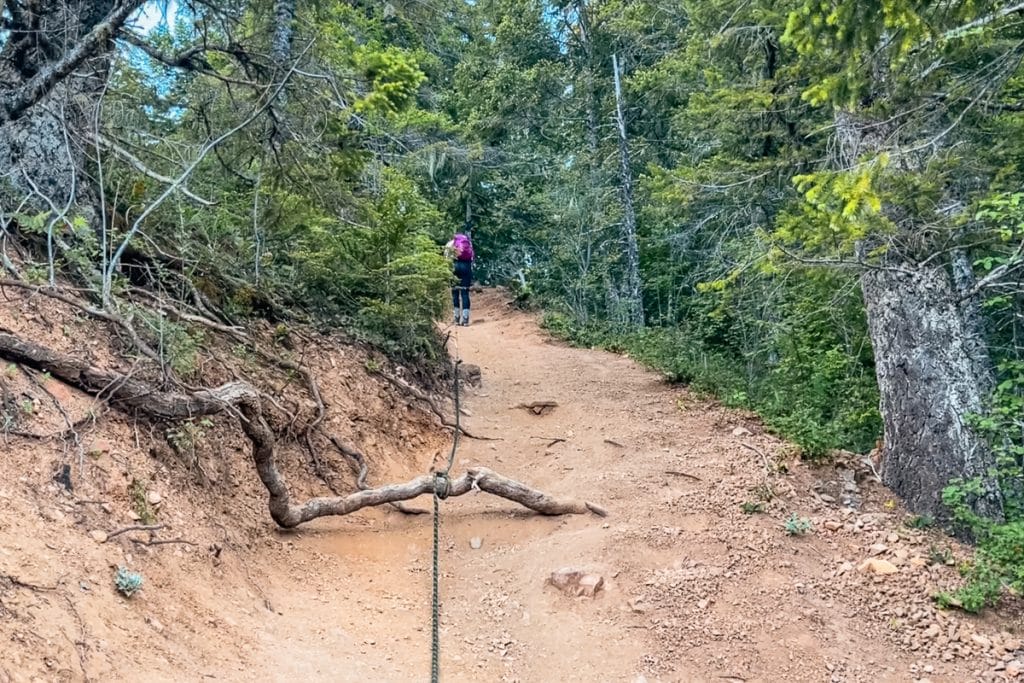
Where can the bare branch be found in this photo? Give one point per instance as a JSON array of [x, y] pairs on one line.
[[983, 21], [140, 166], [207, 148]]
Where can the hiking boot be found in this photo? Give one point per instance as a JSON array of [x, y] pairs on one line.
[[465, 317], [456, 321]]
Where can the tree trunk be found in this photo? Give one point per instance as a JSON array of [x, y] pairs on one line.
[[929, 385], [931, 361], [633, 289], [53, 65]]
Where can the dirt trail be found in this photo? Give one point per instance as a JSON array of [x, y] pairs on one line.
[[695, 590]]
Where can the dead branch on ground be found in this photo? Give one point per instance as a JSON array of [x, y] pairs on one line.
[[538, 407], [137, 527]]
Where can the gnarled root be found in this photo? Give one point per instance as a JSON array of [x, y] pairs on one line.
[[244, 399]]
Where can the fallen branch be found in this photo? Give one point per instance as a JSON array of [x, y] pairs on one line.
[[163, 542], [552, 440], [137, 527], [15, 581], [245, 399], [676, 473], [538, 407]]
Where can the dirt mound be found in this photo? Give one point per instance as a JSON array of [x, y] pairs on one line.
[[698, 578]]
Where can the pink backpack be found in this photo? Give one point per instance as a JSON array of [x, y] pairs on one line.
[[463, 247]]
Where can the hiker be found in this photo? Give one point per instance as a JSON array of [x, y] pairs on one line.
[[460, 248]]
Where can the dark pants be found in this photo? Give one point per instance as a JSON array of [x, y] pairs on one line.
[[464, 274]]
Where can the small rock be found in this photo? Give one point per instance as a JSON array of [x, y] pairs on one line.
[[476, 542], [892, 538], [876, 566], [107, 508], [741, 431], [155, 623], [825, 498], [878, 548], [981, 641], [832, 525], [576, 583], [1014, 669], [932, 632], [98, 535], [917, 562], [51, 515], [101, 447], [154, 498]]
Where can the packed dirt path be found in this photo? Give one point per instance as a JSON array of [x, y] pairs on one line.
[[694, 589]]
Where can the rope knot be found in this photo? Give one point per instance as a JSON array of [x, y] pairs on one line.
[[442, 485]]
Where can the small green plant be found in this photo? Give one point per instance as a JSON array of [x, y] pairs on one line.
[[28, 407], [128, 583], [919, 522], [751, 508], [137, 492], [186, 439], [11, 370], [764, 493], [937, 555], [797, 526]]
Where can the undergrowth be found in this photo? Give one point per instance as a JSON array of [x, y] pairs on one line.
[[998, 564], [820, 399]]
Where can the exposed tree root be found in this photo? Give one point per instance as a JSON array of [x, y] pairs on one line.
[[361, 469], [245, 399], [419, 395]]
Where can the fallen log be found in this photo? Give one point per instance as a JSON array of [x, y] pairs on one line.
[[244, 399]]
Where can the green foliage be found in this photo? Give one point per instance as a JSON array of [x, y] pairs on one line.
[[999, 560], [751, 508], [385, 277], [128, 583], [797, 526], [139, 502], [791, 370]]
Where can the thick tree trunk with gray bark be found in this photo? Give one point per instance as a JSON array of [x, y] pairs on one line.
[[52, 67], [929, 382], [931, 361]]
